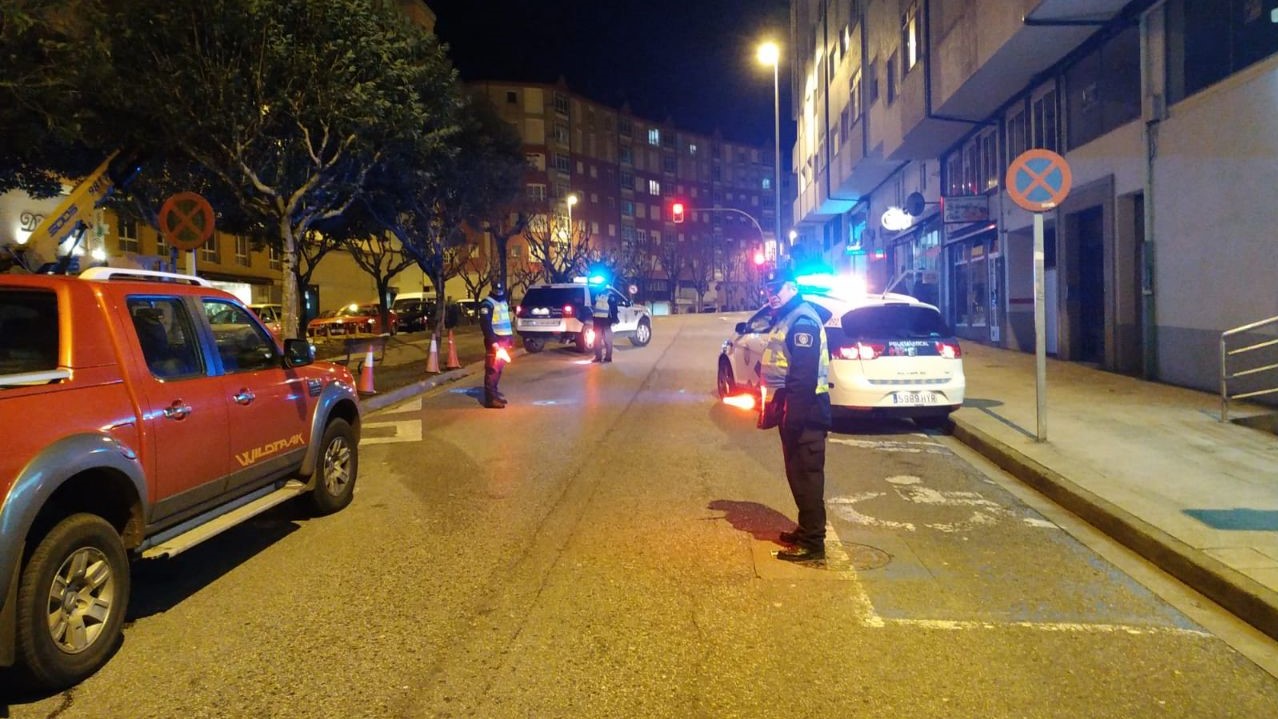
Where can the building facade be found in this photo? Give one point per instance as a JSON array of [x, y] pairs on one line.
[[627, 173], [1163, 111]]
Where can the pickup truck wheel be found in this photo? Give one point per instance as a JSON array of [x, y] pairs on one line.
[[338, 467], [71, 601], [534, 344], [643, 333]]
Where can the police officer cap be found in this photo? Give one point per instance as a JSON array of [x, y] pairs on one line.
[[778, 277], [499, 290]]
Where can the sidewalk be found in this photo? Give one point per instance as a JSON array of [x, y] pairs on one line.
[[1149, 464]]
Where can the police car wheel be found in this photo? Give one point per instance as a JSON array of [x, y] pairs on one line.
[[727, 384], [643, 333], [582, 342], [534, 345]]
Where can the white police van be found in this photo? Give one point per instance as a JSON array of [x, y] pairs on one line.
[[560, 312]]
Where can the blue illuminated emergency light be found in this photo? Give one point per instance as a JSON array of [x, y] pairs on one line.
[[597, 279]]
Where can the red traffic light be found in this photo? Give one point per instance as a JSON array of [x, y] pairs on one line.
[[677, 211], [759, 258]]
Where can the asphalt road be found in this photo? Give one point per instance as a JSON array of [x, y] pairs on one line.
[[602, 548]]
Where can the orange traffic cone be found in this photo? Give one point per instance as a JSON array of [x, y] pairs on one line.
[[432, 364], [453, 362], [366, 374]]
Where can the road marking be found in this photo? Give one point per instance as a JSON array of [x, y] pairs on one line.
[[408, 430], [985, 512], [408, 405], [889, 445]]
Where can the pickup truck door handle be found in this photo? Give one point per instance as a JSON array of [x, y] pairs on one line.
[[178, 410], [244, 396]]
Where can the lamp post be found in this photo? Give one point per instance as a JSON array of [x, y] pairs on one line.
[[570, 200], [770, 54]]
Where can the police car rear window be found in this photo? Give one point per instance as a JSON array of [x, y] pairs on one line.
[[552, 297], [894, 322]]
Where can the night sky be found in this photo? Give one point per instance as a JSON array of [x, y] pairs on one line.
[[692, 61]]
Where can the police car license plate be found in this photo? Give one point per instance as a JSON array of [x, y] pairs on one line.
[[541, 323], [914, 398]]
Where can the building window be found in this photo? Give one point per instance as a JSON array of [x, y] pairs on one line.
[[624, 127], [537, 192], [767, 183], [563, 163], [209, 250], [654, 188], [273, 257], [512, 98], [1016, 137], [561, 133], [692, 149], [1209, 41], [161, 247], [872, 82], [669, 164], [627, 208], [1103, 89], [911, 39], [627, 180], [654, 137], [1043, 120], [536, 160], [625, 155], [242, 251], [128, 231], [891, 78], [561, 103], [969, 288]]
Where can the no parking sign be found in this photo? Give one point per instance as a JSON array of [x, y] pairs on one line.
[[1038, 180]]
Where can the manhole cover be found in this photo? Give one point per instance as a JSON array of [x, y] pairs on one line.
[[844, 556]]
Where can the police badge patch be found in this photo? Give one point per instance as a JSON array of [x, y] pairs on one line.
[[802, 339]]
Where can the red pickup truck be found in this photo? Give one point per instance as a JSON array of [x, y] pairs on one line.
[[143, 413]]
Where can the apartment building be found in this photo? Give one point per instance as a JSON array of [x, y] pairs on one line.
[[1163, 110], [626, 173]]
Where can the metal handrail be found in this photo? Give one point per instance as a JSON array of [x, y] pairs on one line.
[[1226, 375]]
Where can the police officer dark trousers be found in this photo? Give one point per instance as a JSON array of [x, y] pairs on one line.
[[494, 321], [795, 371], [604, 314]]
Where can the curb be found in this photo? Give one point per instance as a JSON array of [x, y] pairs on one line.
[[374, 402], [1241, 595]]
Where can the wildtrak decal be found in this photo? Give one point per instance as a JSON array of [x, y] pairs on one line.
[[253, 455]]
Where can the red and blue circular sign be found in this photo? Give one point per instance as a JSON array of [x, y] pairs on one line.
[[1038, 180]]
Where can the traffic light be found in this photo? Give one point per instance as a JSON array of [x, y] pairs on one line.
[[759, 259], [677, 211]]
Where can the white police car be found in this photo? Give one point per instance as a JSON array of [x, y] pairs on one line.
[[890, 355], [561, 312]]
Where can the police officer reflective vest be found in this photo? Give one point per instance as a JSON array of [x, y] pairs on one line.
[[775, 363], [501, 317], [601, 309]]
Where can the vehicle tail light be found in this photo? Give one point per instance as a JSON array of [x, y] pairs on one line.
[[519, 310], [860, 350], [567, 310], [949, 350]]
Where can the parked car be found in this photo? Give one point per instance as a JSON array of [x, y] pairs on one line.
[[271, 316], [156, 411], [413, 313], [890, 355], [561, 312], [353, 319]]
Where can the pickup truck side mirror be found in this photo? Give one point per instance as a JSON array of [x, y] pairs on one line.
[[298, 353]]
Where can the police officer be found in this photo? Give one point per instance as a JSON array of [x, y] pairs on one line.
[[494, 321], [794, 371], [604, 314]]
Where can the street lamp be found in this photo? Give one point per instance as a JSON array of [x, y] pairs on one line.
[[570, 200], [770, 54]]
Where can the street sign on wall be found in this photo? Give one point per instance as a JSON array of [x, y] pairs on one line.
[[1038, 180]]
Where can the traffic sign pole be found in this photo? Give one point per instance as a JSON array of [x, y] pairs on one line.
[[1040, 330], [1038, 180]]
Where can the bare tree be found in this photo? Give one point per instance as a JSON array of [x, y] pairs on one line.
[[561, 251], [671, 254], [700, 264], [382, 257]]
